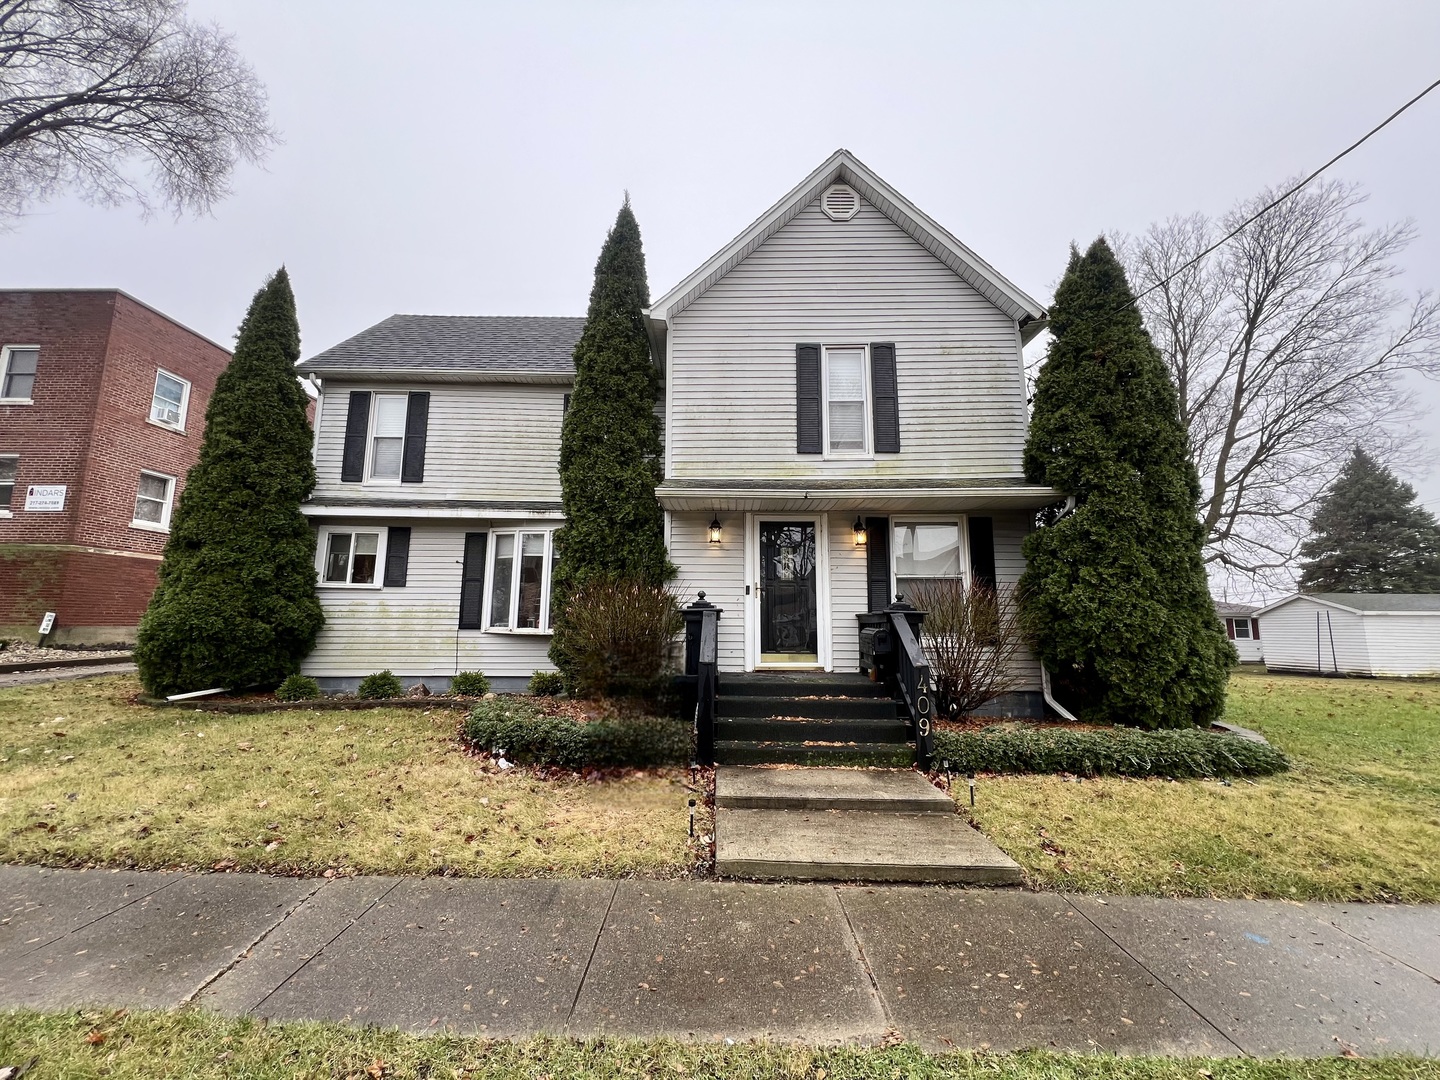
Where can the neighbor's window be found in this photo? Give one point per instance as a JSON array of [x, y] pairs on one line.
[[17, 372], [925, 551], [351, 557], [846, 427], [1242, 628], [172, 396], [152, 501], [9, 463], [387, 444], [520, 580]]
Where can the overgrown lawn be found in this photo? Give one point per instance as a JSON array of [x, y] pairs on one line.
[[86, 777]]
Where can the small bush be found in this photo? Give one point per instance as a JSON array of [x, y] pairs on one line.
[[297, 688], [529, 737], [547, 684], [1184, 754], [383, 684], [616, 639], [470, 684]]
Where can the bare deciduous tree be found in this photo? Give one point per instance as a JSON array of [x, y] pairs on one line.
[[972, 638], [1288, 346], [91, 89]]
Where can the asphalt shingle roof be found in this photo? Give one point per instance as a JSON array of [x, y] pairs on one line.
[[455, 344], [1383, 601], [1234, 611]]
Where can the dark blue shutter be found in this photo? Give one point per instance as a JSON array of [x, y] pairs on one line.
[[982, 551], [472, 582], [877, 562], [887, 398], [357, 420], [417, 424], [809, 437], [397, 556]]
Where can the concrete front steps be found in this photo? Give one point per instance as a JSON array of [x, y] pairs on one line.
[[830, 824], [810, 718]]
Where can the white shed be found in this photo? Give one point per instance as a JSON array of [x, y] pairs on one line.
[[1242, 628], [1354, 634]]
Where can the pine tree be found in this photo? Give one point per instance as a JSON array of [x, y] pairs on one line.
[[1370, 535], [236, 606], [610, 449], [1115, 598]]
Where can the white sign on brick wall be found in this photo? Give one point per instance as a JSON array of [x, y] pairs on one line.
[[45, 497]]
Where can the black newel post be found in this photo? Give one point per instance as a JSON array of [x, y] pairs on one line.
[[702, 622]]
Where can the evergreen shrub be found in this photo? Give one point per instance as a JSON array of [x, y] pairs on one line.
[[382, 684], [529, 737], [297, 688], [547, 684], [470, 684], [1185, 754]]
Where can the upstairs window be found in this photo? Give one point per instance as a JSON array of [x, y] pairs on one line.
[[352, 557], [152, 501], [520, 580], [387, 440], [17, 372], [170, 400], [847, 419], [9, 464]]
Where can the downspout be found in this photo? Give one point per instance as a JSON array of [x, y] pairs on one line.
[[1065, 713]]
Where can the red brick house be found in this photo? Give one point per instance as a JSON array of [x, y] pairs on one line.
[[102, 409]]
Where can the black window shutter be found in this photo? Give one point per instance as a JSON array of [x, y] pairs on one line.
[[417, 423], [887, 397], [472, 582], [357, 420], [982, 551], [877, 562], [397, 556], [809, 438]]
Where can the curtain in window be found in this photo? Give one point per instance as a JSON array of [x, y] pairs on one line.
[[925, 551]]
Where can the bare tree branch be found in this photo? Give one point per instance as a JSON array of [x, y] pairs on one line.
[[91, 89]]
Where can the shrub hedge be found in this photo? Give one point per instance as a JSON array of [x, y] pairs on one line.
[[469, 684], [382, 684], [1183, 754], [529, 737], [547, 684], [297, 688]]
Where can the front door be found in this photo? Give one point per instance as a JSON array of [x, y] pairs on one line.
[[789, 611]]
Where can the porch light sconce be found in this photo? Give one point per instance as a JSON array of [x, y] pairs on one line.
[[861, 536], [715, 530]]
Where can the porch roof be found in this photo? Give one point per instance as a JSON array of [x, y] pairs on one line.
[[888, 496]]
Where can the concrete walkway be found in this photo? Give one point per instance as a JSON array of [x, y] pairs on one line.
[[64, 674], [816, 963]]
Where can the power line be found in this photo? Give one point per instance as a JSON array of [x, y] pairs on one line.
[[1271, 206]]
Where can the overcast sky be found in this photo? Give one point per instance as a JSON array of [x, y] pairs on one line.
[[467, 158]]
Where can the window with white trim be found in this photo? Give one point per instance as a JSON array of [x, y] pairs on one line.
[[351, 557], [1242, 628], [9, 465], [925, 551], [153, 497], [387, 436], [17, 373], [846, 380], [170, 401], [520, 568]]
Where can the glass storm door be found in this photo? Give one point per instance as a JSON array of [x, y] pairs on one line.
[[789, 622]]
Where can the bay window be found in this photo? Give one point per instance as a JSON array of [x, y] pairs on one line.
[[520, 565]]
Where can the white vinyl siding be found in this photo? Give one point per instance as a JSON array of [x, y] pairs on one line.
[[731, 361], [849, 592], [485, 441], [413, 630], [1372, 643], [716, 569]]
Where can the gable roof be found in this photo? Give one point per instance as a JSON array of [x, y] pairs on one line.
[[1228, 610], [843, 167], [1369, 603], [456, 348]]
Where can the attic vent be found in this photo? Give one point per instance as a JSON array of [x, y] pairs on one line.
[[840, 203]]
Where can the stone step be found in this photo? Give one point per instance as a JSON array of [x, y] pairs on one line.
[[774, 729], [856, 845], [811, 708], [755, 752], [800, 684], [900, 790]]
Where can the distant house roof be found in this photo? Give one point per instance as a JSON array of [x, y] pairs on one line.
[[1360, 603], [456, 348], [1234, 611]]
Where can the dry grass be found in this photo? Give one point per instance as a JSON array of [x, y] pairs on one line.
[[86, 777], [1357, 818]]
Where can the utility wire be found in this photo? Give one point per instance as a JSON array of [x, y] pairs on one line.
[[1272, 205]]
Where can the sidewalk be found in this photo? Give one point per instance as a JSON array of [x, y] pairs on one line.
[[704, 960]]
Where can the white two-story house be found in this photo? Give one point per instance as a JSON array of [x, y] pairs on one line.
[[844, 415]]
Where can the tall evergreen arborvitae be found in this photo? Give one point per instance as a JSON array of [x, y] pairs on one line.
[[1370, 535], [610, 448], [236, 604], [1115, 598]]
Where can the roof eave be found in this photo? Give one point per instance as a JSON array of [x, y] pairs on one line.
[[435, 375]]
